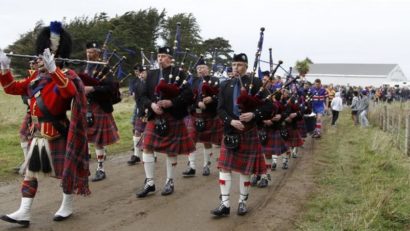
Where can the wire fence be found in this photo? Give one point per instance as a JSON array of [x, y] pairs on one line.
[[393, 118]]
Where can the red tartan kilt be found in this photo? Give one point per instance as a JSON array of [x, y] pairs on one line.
[[24, 129], [248, 159], [275, 145], [294, 140], [104, 130], [189, 123], [176, 142], [213, 132], [58, 150], [302, 128], [139, 126]]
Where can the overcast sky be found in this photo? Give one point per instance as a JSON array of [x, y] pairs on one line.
[[338, 31]]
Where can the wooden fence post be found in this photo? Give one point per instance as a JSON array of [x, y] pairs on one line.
[[385, 118], [407, 139]]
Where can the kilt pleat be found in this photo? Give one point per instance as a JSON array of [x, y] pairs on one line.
[[275, 145], [295, 139], [104, 130], [213, 132], [247, 159], [176, 142]]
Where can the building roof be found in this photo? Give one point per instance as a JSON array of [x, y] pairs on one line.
[[350, 69]]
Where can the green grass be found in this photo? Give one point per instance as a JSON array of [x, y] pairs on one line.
[[12, 112], [363, 182]]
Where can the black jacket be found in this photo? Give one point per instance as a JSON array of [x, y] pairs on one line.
[[225, 102], [103, 89], [195, 84], [180, 103]]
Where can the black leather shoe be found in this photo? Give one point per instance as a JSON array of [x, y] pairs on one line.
[[206, 171], [168, 188], [273, 167], [242, 209], [99, 176], [263, 183], [133, 160], [61, 218], [23, 224], [285, 165], [255, 179], [221, 210], [147, 189], [189, 172]]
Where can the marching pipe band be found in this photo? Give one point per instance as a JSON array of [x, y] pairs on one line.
[[241, 114]]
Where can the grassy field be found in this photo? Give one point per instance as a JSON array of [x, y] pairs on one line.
[[12, 112], [363, 182]]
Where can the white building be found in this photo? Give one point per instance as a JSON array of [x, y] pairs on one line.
[[356, 74]]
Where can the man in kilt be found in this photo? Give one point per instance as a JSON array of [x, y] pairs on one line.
[[140, 119], [292, 115], [167, 97], [204, 126], [275, 145], [99, 87], [241, 150], [58, 147]]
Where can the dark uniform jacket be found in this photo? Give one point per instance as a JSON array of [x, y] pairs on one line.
[[180, 103], [226, 102]]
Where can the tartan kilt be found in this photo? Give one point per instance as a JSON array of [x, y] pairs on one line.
[[189, 123], [139, 126], [58, 150], [104, 130], [248, 159], [213, 132], [275, 145], [176, 142], [24, 129], [302, 128], [294, 140]]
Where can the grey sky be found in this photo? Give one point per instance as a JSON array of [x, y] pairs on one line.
[[360, 31]]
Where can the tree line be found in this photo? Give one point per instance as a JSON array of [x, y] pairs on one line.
[[131, 31]]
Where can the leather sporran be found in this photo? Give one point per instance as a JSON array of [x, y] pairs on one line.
[[161, 127], [231, 141]]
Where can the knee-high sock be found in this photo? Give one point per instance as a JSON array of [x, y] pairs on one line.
[[274, 159], [207, 156], [100, 153], [244, 184], [137, 151], [225, 182], [285, 157], [191, 159], [29, 188], [318, 127], [171, 164], [24, 147], [149, 167]]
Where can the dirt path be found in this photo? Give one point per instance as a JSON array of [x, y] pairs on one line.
[[113, 205]]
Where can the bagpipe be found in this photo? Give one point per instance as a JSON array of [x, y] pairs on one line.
[[246, 101], [208, 89], [171, 89]]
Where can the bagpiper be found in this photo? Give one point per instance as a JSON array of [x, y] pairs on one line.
[[58, 146], [100, 89], [204, 126], [241, 151], [167, 97]]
